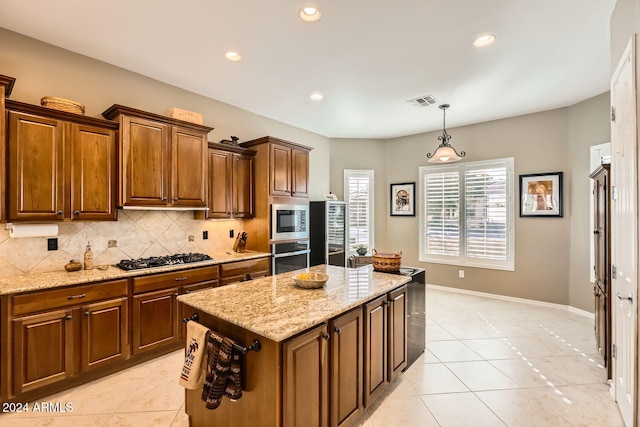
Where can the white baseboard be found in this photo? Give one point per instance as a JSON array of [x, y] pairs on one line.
[[515, 299]]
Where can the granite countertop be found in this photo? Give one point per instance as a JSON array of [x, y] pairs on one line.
[[54, 279], [275, 308]]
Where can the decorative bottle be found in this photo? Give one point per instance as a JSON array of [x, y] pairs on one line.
[[88, 258]]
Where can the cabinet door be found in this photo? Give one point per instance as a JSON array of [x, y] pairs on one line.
[[36, 162], [242, 193], [305, 379], [299, 173], [346, 367], [43, 349], [280, 173], [104, 333], [145, 162], [93, 173], [375, 349], [155, 320], [220, 182], [397, 331], [189, 168]]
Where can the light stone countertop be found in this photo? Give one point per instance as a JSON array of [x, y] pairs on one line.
[[275, 308], [54, 279]]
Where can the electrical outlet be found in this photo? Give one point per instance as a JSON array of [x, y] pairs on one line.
[[231, 234], [192, 237], [112, 244], [205, 235], [52, 244], [461, 274]]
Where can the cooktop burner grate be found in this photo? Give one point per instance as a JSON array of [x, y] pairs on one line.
[[161, 261]]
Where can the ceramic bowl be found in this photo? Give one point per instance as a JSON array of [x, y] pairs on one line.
[[310, 280]]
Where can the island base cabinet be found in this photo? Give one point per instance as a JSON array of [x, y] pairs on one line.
[[305, 379], [376, 376], [346, 368], [397, 331]]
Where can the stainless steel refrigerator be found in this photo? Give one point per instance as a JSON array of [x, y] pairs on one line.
[[327, 233]]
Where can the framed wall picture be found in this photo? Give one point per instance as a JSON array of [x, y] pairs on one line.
[[541, 194], [403, 199]]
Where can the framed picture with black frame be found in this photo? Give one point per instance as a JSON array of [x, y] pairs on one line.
[[403, 199], [541, 195]]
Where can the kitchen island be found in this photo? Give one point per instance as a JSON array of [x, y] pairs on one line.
[[325, 353]]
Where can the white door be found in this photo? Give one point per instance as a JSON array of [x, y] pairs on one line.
[[624, 231]]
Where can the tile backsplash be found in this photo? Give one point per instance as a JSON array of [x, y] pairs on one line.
[[138, 234]]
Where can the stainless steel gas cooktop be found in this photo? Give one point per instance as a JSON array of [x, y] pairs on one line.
[[161, 261]]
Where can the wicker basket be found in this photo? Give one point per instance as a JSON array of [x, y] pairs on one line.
[[62, 104], [386, 262]]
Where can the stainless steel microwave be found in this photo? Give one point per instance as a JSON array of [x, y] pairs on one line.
[[289, 222]]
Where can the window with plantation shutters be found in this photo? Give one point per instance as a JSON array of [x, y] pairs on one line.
[[467, 214], [358, 193]]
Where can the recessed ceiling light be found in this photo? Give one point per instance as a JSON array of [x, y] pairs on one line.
[[316, 96], [484, 40], [232, 55], [310, 14]]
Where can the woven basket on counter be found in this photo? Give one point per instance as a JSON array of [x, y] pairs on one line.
[[62, 104], [386, 262]]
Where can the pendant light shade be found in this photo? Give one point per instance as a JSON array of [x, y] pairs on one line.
[[445, 153]]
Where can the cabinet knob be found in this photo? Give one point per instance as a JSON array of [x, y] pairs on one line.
[[596, 232], [76, 212], [59, 213], [68, 317], [326, 336], [338, 331], [175, 199], [87, 313], [176, 294], [164, 199]]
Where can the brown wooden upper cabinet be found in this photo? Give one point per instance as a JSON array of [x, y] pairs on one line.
[[284, 164], [163, 161], [6, 86], [230, 182], [61, 165]]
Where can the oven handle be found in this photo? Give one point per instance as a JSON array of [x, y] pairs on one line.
[[286, 254]]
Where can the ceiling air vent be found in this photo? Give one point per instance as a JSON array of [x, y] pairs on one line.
[[423, 101]]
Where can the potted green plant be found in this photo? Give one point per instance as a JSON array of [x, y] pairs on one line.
[[361, 249]]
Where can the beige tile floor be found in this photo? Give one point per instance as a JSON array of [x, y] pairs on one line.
[[488, 363]]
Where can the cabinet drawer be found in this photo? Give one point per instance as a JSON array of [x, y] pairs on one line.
[[240, 268], [175, 278], [65, 297]]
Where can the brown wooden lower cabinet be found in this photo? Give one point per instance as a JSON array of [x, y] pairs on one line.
[[42, 350], [376, 376], [305, 379], [397, 331], [155, 320], [346, 367], [62, 332], [385, 341], [104, 333], [52, 346]]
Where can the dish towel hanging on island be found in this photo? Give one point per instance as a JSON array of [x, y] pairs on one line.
[[193, 370], [223, 371]]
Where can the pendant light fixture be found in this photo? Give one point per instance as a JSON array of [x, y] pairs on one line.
[[445, 153]]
